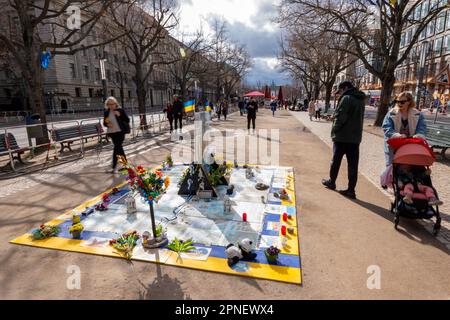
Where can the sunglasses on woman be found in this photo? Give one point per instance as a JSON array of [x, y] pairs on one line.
[[401, 101]]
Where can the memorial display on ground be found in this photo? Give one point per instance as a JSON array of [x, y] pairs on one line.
[[217, 217]]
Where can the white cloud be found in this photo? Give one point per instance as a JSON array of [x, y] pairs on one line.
[[249, 22]]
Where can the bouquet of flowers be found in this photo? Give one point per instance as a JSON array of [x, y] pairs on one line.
[[126, 243], [151, 185], [44, 232], [217, 175]]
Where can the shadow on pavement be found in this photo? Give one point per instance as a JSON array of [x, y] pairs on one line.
[[409, 228]]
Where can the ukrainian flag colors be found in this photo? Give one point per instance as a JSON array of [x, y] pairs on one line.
[[189, 106], [208, 106]]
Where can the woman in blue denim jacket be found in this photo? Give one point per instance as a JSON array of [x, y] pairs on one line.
[[403, 121]]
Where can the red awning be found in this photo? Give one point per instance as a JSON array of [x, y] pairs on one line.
[[254, 94]]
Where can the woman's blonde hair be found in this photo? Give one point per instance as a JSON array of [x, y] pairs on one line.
[[113, 100], [409, 96]]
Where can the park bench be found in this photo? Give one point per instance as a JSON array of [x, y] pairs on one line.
[[438, 137], [67, 136], [8, 144]]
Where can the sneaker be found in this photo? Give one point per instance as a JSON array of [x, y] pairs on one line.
[[329, 184], [348, 194], [435, 202], [407, 199]]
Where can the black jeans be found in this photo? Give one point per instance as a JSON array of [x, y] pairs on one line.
[[171, 123], [178, 119], [318, 115], [351, 151], [117, 139], [253, 120]]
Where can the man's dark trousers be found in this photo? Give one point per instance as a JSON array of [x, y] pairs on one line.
[[351, 151]]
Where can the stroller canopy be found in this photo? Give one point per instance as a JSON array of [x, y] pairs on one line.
[[414, 154]]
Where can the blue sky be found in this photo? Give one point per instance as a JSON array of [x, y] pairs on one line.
[[249, 22]]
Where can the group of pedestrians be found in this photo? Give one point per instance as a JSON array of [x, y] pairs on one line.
[[314, 110]]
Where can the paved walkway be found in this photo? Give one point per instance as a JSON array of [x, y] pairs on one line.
[[372, 164]]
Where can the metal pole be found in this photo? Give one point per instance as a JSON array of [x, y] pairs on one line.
[[423, 57]]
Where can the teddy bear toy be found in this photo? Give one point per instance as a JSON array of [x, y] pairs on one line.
[[241, 252]]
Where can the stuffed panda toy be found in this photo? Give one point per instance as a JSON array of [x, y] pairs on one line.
[[246, 249], [233, 254], [242, 251]]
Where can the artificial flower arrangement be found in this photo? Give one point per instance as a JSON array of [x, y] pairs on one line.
[[216, 176], [168, 163], [45, 231], [76, 230], [180, 246], [125, 243], [272, 254], [186, 173], [151, 185]]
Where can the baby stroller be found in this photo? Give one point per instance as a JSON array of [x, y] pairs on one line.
[[417, 153]]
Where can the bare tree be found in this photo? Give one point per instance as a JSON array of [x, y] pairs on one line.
[[33, 27], [146, 25], [376, 27], [188, 60], [229, 61]]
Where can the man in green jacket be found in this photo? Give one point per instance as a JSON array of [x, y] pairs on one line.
[[346, 133]]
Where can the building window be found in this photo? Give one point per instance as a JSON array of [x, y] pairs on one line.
[[418, 12], [73, 73], [129, 93], [425, 8], [91, 92], [86, 72], [437, 47], [108, 75], [440, 23], [117, 76], [96, 53], [78, 92], [97, 74], [84, 52], [431, 28], [112, 93], [447, 43]]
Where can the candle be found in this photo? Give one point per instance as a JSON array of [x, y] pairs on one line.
[[283, 230], [244, 217], [285, 217]]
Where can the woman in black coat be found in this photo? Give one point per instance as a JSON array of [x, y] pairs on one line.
[[118, 124]]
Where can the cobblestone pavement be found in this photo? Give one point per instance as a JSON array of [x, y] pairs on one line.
[[372, 164]]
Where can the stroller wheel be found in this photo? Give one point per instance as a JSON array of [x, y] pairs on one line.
[[437, 227], [392, 207], [396, 222]]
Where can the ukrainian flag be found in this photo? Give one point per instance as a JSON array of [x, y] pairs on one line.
[[208, 107], [189, 106]]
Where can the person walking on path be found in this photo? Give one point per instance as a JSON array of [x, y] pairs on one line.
[[403, 121], [225, 109], [346, 133], [118, 124], [273, 107], [178, 111], [169, 112], [251, 113], [317, 109], [311, 110], [219, 110], [241, 105]]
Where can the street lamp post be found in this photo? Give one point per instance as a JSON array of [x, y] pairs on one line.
[[103, 76], [423, 58]]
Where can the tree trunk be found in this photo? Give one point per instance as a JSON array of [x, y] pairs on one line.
[[328, 94], [141, 95], [387, 83]]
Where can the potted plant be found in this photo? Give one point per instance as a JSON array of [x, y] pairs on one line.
[[76, 230], [272, 254], [151, 185]]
